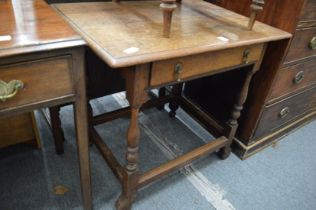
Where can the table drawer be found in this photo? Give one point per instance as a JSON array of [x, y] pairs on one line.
[[276, 115], [192, 66], [294, 78], [303, 45], [44, 79]]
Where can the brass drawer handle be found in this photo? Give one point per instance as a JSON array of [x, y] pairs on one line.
[[177, 71], [299, 77], [284, 112], [10, 89], [245, 56], [312, 43]]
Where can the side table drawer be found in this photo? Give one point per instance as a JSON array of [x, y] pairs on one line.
[[285, 111], [294, 78], [192, 66], [303, 45], [43, 80]]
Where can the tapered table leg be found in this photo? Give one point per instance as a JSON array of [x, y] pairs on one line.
[[81, 121], [57, 129]]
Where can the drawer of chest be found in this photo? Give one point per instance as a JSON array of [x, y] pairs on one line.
[[185, 68], [309, 12], [303, 45], [281, 113], [39, 80], [294, 78]]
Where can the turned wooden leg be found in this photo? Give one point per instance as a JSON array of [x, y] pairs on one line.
[[57, 130], [174, 104], [232, 124], [161, 93], [131, 175], [136, 84]]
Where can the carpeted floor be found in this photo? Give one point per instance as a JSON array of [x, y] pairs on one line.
[[278, 178]]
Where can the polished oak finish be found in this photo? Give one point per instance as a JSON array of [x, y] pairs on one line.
[[204, 40], [28, 30], [38, 48], [140, 42]]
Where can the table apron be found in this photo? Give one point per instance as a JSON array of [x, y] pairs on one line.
[[194, 66]]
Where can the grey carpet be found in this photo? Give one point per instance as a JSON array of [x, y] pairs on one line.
[[277, 178]]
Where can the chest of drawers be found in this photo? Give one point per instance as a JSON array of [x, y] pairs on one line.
[[285, 95]]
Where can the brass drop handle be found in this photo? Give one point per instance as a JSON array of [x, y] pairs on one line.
[[177, 71], [299, 77], [312, 43], [10, 89], [284, 112]]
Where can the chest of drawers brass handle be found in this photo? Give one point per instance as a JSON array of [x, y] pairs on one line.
[[10, 89], [299, 77], [312, 43], [284, 112], [177, 71]]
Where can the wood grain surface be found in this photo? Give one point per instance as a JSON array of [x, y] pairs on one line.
[[27, 24], [129, 33]]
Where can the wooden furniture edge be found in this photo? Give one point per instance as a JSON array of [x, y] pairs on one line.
[[163, 55], [42, 47], [244, 152]]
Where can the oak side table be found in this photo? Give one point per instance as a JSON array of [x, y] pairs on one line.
[[41, 65], [204, 40]]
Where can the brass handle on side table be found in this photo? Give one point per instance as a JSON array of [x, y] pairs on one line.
[[298, 77], [245, 56], [177, 71], [284, 112], [10, 89], [312, 43]]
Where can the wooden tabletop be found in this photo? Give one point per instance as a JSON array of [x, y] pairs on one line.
[[130, 33], [32, 25]]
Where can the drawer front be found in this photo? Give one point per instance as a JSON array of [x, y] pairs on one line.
[[294, 78], [309, 11], [184, 68], [303, 45], [43, 80], [285, 111]]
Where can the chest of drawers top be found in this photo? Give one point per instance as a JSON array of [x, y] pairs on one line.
[[32, 25]]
